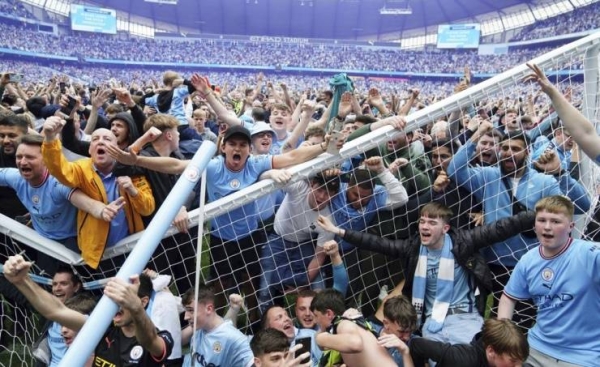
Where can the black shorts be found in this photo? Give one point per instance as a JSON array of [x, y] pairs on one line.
[[233, 259]]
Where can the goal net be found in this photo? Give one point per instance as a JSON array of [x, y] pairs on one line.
[[573, 68]]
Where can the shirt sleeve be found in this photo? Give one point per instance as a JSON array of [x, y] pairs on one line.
[[168, 339], [517, 288], [8, 177]]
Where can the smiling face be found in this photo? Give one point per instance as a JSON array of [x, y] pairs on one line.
[[261, 142], [277, 318], [30, 163], [8, 138], [303, 312], [101, 138], [63, 286], [280, 119]]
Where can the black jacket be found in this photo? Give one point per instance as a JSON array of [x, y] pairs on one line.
[[465, 247], [447, 355]]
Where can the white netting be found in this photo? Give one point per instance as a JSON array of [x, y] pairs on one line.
[[368, 272]]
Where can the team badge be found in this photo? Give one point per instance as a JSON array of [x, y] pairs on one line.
[[192, 174], [217, 347], [547, 274], [235, 183], [35, 199], [136, 352]]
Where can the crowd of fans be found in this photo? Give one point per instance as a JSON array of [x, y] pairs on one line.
[[106, 47], [578, 20], [441, 216]]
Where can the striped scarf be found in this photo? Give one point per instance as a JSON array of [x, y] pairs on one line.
[[445, 285]]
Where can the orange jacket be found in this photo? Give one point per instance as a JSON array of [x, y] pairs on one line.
[[91, 232]]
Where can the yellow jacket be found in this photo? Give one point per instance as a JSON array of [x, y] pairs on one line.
[[92, 233]]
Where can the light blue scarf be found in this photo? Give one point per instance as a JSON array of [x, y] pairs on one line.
[[445, 285]]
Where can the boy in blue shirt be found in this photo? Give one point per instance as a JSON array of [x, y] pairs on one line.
[[214, 342], [561, 276]]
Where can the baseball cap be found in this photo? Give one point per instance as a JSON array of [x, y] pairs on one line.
[[261, 127], [237, 130]]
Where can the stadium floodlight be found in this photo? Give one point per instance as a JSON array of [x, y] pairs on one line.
[[395, 11], [169, 2]]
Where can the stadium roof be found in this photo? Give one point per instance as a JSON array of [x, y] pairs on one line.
[[332, 19]]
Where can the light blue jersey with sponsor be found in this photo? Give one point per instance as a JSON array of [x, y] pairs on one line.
[[56, 344], [52, 214], [566, 290], [224, 346], [240, 222]]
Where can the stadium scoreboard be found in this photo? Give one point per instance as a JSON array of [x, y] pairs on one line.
[[458, 35], [91, 19]]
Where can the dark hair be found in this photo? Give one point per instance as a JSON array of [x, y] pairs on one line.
[[145, 289], [264, 319], [206, 294], [14, 120], [362, 178], [328, 299], [434, 209], [258, 114], [35, 105], [399, 309], [62, 269], [328, 93], [330, 183], [268, 341], [517, 135], [82, 303]]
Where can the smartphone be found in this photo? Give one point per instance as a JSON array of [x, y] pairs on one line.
[[332, 147], [306, 345], [15, 78], [63, 87], [69, 107]]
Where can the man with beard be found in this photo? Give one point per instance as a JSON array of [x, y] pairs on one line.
[[446, 191], [508, 189], [11, 129]]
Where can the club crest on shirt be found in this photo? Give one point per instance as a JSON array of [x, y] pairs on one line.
[[35, 199], [136, 352], [235, 183], [547, 274], [217, 347]]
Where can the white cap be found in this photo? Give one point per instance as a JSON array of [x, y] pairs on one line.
[[261, 127]]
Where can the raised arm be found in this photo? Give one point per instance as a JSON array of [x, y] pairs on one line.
[[581, 129], [202, 85], [166, 165], [16, 271], [125, 295]]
